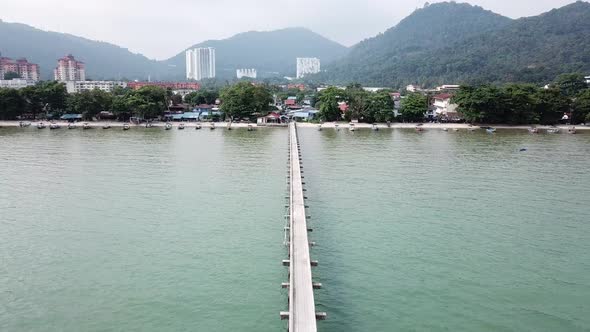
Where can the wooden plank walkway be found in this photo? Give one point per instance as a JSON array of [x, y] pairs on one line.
[[302, 315]]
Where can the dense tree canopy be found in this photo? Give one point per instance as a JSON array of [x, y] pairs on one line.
[[413, 107], [245, 99]]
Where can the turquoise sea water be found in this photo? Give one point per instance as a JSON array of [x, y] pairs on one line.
[[153, 230]]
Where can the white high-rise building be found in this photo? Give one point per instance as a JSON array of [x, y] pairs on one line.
[[306, 66], [200, 63], [251, 73]]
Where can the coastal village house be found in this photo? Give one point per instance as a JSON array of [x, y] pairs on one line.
[[443, 106]]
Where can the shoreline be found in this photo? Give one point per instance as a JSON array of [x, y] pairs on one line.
[[396, 125]]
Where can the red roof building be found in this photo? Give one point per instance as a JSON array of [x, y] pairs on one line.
[[166, 85]]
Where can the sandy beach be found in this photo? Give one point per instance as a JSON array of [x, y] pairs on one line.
[[440, 126]]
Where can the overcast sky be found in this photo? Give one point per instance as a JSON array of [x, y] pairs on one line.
[[160, 29]]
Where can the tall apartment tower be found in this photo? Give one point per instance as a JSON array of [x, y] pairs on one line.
[[68, 69], [24, 69], [200, 63], [306, 66]]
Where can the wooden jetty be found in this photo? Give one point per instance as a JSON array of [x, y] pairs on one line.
[[301, 315]]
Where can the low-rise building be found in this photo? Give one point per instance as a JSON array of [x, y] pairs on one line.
[[448, 88], [587, 79], [79, 86], [186, 86], [17, 83], [250, 73]]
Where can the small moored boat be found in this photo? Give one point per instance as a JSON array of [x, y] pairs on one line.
[[490, 130], [212, 126], [54, 126], [534, 130], [419, 128], [86, 126], [445, 129], [250, 128], [374, 127], [198, 126], [126, 126], [553, 130], [351, 127], [24, 124], [337, 127], [571, 130], [181, 126], [106, 126], [168, 126], [319, 127], [71, 126], [41, 125]]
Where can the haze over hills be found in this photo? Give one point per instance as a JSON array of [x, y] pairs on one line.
[[104, 60], [460, 43], [272, 53]]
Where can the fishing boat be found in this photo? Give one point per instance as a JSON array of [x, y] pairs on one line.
[[229, 126], [24, 124], [553, 130], [86, 126], [181, 126], [534, 130], [388, 124], [212, 126], [41, 125], [419, 128], [71, 126], [168, 126], [319, 127], [198, 126], [106, 126], [54, 125], [126, 126], [149, 125], [571, 130], [337, 127], [455, 129], [351, 127], [374, 127], [445, 129], [490, 130], [250, 128]]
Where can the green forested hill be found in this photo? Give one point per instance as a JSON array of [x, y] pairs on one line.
[[459, 43]]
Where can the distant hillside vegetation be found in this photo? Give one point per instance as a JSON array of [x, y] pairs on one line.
[[460, 43]]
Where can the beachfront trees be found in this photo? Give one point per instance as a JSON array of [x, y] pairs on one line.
[[243, 100], [581, 107], [414, 107], [11, 104], [204, 96], [328, 103], [551, 105], [90, 103], [570, 84], [380, 108]]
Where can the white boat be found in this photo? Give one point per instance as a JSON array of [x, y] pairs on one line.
[[86, 126], [198, 126], [168, 126], [571, 130], [24, 124], [212, 126], [126, 126], [148, 125], [250, 128], [534, 130], [351, 127], [71, 126], [553, 130], [54, 126], [41, 125], [490, 130], [319, 127], [106, 126], [229, 126], [374, 127], [181, 126], [337, 127], [419, 128], [445, 129], [455, 129]]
